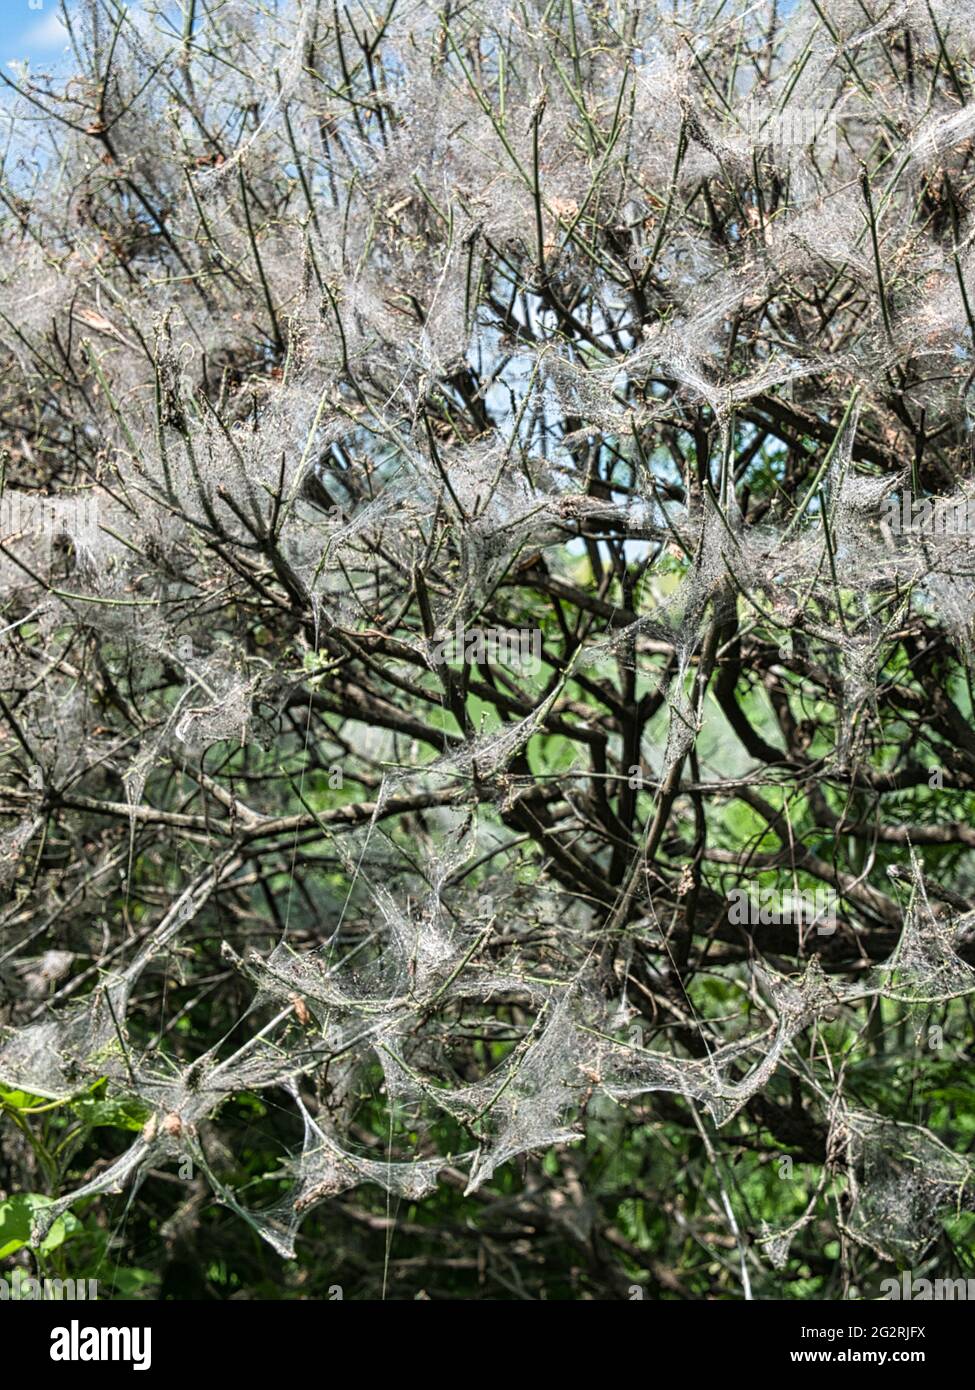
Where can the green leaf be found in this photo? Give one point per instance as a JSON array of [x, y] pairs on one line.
[[111, 1114], [130, 1282], [16, 1216], [20, 1100]]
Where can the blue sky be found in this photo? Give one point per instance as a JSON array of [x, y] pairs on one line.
[[30, 33]]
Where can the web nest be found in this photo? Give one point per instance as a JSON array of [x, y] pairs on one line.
[[610, 402]]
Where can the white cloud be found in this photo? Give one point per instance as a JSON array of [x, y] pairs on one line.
[[47, 33]]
